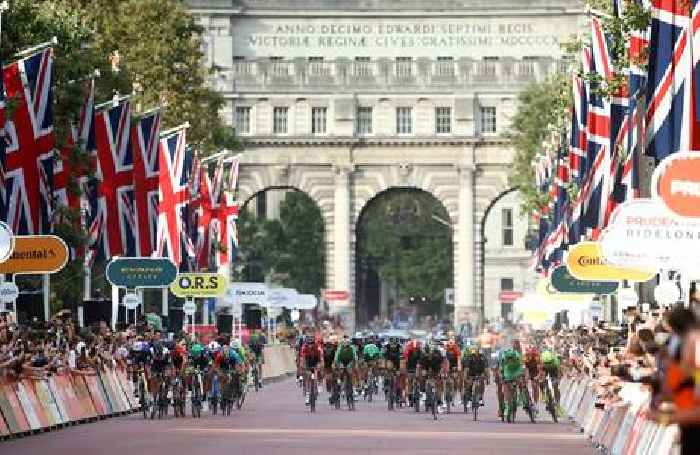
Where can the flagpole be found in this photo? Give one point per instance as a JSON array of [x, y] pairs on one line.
[[38, 47], [113, 102], [174, 130]]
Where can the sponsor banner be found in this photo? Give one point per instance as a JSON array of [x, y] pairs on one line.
[[676, 181], [563, 281], [200, 285], [509, 296], [143, 272], [546, 291], [643, 233], [247, 294], [332, 295], [36, 254], [281, 298], [15, 417], [7, 242], [585, 262], [8, 292]]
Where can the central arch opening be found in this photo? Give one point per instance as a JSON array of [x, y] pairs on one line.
[[404, 265]]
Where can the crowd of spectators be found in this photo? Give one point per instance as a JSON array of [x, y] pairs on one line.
[[40, 348], [657, 348]]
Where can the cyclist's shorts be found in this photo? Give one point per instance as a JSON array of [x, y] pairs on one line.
[[312, 362], [552, 371]]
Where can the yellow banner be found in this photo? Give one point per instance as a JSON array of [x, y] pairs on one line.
[[585, 262], [546, 291], [198, 285], [36, 254]]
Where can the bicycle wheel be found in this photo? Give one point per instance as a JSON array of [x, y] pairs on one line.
[[416, 396], [433, 402], [551, 407], [312, 396]]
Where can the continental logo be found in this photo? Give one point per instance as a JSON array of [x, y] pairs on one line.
[[37, 255], [586, 262]]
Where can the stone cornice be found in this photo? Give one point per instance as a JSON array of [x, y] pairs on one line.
[[388, 141]]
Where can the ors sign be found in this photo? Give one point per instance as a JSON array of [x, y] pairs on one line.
[[190, 285]]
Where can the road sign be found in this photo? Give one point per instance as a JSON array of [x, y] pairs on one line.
[[189, 308], [564, 282], [131, 301], [295, 315], [336, 295], [199, 285], [8, 292], [144, 272], [7, 242], [36, 254]]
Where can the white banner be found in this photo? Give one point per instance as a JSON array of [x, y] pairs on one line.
[[281, 298], [644, 234]]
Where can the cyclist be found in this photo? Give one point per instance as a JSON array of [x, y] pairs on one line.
[[139, 358], [452, 354], [329, 348], [412, 355], [178, 356], [432, 364], [493, 361], [346, 357], [370, 355], [392, 357], [551, 367], [256, 343], [312, 361], [533, 366], [512, 372], [474, 365]]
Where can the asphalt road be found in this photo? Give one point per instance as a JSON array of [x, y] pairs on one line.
[[275, 421]]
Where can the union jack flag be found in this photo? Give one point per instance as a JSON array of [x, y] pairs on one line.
[[175, 165], [217, 220], [82, 135], [670, 117], [145, 137], [113, 223], [28, 161]]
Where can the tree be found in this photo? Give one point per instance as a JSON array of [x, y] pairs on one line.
[[542, 109], [408, 247], [149, 47], [291, 247]]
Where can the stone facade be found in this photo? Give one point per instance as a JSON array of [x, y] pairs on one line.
[[346, 99]]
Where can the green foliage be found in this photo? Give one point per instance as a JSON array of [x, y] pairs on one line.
[[542, 110], [159, 47], [292, 247], [398, 236]]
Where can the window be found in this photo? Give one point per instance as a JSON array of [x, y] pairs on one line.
[[261, 205], [507, 284], [404, 125], [279, 125], [318, 120], [507, 226], [362, 67], [317, 67], [445, 66], [243, 119], [443, 120], [279, 67], [404, 66], [364, 120], [488, 120]]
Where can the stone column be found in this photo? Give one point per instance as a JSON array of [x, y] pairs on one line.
[[464, 270], [341, 244]]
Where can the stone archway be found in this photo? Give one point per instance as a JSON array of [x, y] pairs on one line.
[[412, 219]]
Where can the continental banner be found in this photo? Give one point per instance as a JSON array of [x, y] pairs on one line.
[[585, 262]]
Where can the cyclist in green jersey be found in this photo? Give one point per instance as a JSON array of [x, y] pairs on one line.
[[552, 368]]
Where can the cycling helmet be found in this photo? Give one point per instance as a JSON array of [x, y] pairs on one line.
[[196, 350]]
